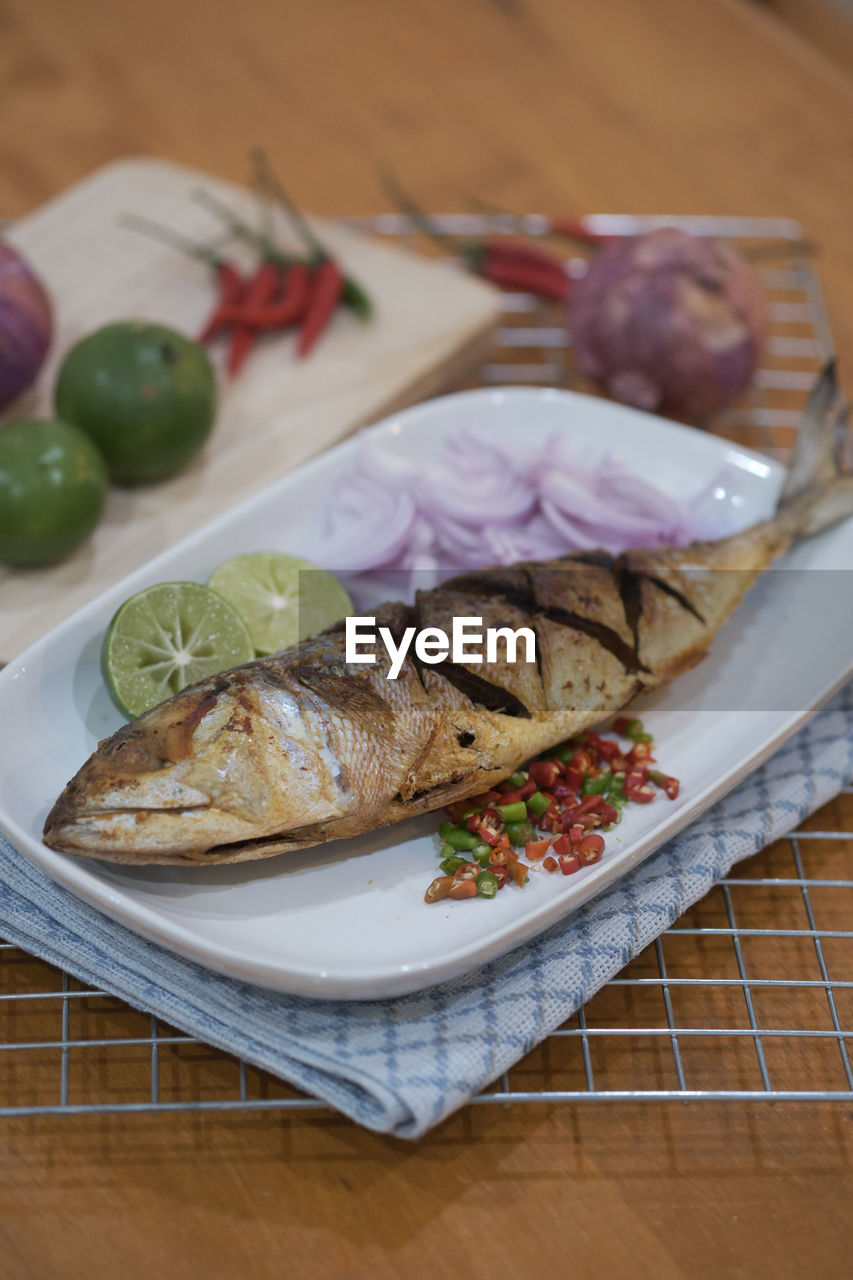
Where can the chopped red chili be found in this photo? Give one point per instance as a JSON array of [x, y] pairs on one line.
[[462, 889], [545, 773], [495, 824], [518, 871], [440, 888], [590, 849]]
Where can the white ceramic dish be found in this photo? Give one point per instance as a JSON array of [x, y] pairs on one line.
[[348, 920]]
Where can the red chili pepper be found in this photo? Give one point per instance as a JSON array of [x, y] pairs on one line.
[[569, 863], [535, 850], [280, 312], [529, 789], [545, 773], [440, 888], [231, 291], [500, 856], [574, 778], [642, 794], [550, 864], [590, 849], [527, 279], [563, 845], [259, 290], [592, 811], [352, 294], [328, 286], [564, 792], [519, 871], [468, 871], [462, 889], [641, 753], [669, 785], [620, 725], [581, 761], [510, 265], [487, 825], [499, 872], [510, 249]]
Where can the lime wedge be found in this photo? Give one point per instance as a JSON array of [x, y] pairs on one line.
[[281, 598], [166, 637]]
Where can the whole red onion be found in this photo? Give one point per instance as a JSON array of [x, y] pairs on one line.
[[669, 321], [26, 324]]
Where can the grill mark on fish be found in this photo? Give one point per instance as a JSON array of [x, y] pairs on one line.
[[411, 618], [630, 587], [604, 635], [524, 598], [682, 599], [598, 559], [477, 689]]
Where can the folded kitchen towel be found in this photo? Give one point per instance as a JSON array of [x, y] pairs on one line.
[[402, 1065]]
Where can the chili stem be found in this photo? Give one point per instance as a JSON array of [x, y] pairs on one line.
[[174, 239], [353, 295], [239, 229], [406, 205], [271, 183]]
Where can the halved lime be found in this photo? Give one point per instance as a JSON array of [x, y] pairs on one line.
[[166, 637], [282, 598]]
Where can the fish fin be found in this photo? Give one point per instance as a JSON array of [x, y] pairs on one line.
[[815, 453], [815, 495]]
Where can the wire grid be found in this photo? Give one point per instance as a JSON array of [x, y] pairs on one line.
[[701, 1014]]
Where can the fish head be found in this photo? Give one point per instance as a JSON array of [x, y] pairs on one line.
[[229, 760]]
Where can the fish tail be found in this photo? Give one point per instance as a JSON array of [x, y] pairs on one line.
[[816, 494]]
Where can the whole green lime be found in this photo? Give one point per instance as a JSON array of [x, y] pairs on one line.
[[144, 393], [53, 485]]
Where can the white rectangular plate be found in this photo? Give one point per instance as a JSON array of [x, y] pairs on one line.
[[348, 920]]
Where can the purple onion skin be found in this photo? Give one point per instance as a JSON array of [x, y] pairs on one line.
[[26, 324], [669, 322]]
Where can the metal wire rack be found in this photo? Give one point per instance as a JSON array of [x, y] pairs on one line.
[[748, 997]]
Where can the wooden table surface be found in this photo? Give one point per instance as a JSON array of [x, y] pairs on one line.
[[671, 106]]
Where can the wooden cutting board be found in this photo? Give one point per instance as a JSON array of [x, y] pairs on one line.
[[430, 321]]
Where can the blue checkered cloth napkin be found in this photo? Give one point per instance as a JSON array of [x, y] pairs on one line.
[[401, 1066]]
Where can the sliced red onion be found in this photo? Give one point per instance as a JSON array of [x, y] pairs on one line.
[[397, 528], [371, 524]]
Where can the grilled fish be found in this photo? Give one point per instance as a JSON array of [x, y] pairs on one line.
[[300, 748]]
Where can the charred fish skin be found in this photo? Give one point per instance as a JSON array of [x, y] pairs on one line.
[[301, 748]]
